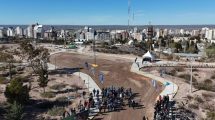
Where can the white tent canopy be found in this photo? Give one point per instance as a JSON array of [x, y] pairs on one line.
[[148, 55]]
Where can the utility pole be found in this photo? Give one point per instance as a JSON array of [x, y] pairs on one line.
[[191, 74]]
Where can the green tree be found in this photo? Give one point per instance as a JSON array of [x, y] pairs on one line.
[[43, 78], [15, 112], [38, 58], [16, 91]]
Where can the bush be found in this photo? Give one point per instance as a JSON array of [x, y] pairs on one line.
[[48, 95], [199, 99], [193, 106], [207, 95], [213, 77], [15, 91], [61, 99], [195, 70], [3, 80], [211, 115], [56, 111], [189, 97], [172, 72], [15, 112], [179, 69], [203, 86], [58, 86], [208, 82], [187, 78]]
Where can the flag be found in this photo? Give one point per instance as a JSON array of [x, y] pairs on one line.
[[154, 83], [86, 65], [101, 77], [92, 70]]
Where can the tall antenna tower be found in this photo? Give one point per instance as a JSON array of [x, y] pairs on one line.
[[129, 11]]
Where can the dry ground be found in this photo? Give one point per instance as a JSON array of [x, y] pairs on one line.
[[117, 73]]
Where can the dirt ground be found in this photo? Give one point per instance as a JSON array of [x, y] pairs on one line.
[[117, 73]]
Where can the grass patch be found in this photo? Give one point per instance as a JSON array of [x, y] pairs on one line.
[[48, 95], [58, 86], [56, 111]]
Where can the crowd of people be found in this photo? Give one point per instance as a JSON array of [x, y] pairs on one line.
[[108, 100], [162, 108]]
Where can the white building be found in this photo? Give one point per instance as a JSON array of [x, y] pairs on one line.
[[89, 36], [10, 32], [38, 31], [30, 31], [195, 33], [3, 32], [19, 31], [209, 34], [181, 31]]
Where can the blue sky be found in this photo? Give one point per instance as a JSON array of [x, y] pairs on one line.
[[107, 12]]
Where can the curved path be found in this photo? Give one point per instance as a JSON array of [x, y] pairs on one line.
[[170, 87]]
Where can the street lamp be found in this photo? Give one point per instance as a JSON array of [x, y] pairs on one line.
[[191, 74]]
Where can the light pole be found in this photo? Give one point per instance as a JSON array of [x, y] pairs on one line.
[[191, 74], [55, 61]]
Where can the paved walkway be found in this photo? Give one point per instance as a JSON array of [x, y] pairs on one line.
[[170, 87]]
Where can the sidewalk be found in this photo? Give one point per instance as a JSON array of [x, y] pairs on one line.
[[170, 89]]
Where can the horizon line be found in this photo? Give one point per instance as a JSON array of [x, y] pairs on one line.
[[115, 24]]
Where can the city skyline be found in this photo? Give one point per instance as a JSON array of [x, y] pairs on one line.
[[107, 12]]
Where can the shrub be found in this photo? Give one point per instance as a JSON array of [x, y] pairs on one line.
[[56, 111], [193, 106], [15, 112], [61, 99], [187, 78], [2, 80], [58, 86], [207, 95], [203, 86], [211, 115], [179, 69], [208, 81], [199, 99], [189, 97], [195, 70], [213, 77], [172, 72], [15, 91], [48, 95]]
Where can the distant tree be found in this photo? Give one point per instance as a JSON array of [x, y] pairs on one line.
[[16, 91], [15, 112], [178, 46]]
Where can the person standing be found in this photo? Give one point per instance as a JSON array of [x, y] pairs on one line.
[[94, 92]]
